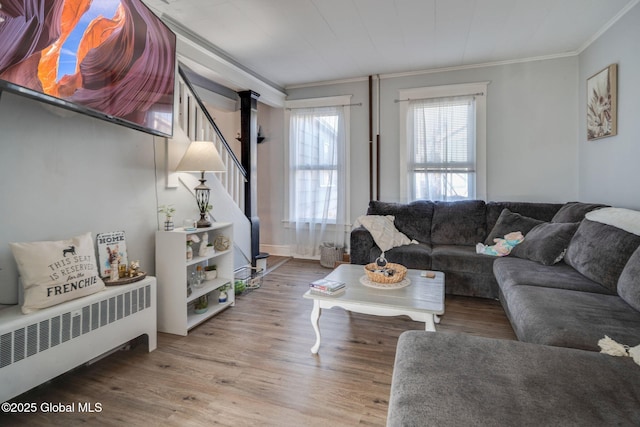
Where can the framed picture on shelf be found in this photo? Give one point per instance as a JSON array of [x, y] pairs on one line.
[[112, 244], [602, 100]]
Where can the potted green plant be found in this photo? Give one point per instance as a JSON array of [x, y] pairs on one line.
[[208, 249], [239, 286], [211, 272], [168, 211], [222, 297], [201, 305]]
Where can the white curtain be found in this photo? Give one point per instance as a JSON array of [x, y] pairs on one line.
[[442, 148], [317, 187]]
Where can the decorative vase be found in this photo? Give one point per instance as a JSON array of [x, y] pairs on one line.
[[114, 273], [189, 251], [222, 297], [204, 250], [168, 225]]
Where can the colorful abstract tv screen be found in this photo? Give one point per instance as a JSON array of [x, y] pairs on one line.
[[111, 59]]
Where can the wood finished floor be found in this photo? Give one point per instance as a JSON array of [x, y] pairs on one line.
[[251, 365]]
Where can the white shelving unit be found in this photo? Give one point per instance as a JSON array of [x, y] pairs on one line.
[[175, 309]]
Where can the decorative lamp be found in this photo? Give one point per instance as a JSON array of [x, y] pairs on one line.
[[202, 156]]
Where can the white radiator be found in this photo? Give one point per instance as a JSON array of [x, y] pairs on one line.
[[39, 346]]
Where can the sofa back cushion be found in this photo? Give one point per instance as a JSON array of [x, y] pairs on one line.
[[629, 282], [546, 243], [458, 223], [540, 211], [601, 251], [412, 219], [508, 222], [575, 211]]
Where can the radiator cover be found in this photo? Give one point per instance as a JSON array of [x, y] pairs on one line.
[[39, 346]]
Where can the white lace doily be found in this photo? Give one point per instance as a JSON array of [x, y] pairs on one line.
[[371, 284]]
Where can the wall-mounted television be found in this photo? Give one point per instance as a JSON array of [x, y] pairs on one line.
[[111, 59]]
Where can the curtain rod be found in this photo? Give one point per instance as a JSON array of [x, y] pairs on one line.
[[359, 104], [438, 97]]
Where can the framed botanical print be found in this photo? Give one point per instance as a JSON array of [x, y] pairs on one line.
[[602, 98]]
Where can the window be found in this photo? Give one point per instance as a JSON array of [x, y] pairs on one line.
[[443, 137], [442, 161], [315, 157], [318, 136]]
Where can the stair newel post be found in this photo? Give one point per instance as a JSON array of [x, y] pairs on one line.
[[249, 160]]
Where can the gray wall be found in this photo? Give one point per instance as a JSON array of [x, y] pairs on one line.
[[64, 174], [531, 136], [608, 167], [531, 131], [271, 175]]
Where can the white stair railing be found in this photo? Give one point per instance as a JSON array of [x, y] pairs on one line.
[[196, 122], [227, 189]]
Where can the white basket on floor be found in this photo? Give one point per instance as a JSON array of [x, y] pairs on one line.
[[330, 254]]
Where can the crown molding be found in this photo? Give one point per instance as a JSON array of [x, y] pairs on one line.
[[608, 25], [436, 70], [199, 54]]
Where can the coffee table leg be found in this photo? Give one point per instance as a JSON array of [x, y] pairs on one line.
[[436, 318], [429, 324], [315, 316]]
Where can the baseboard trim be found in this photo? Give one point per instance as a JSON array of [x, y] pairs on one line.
[[276, 250]]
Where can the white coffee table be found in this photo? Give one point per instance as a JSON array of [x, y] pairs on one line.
[[422, 300]]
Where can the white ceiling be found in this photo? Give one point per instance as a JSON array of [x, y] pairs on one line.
[[293, 42]]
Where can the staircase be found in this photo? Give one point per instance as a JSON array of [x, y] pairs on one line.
[[227, 189]]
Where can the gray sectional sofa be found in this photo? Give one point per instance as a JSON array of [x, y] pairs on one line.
[[443, 380], [571, 282], [447, 234], [557, 305]]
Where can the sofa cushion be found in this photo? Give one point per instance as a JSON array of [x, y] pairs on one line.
[[511, 272], [461, 258], [53, 272], [416, 256], [574, 211], [360, 244], [509, 222], [541, 211], [383, 231], [600, 252], [458, 223], [471, 284], [566, 318], [629, 282], [447, 379], [546, 243], [413, 219], [467, 273]]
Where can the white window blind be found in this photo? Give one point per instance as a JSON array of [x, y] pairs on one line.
[[441, 144]]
